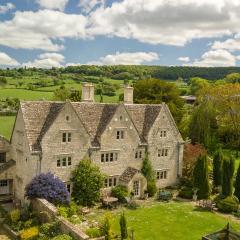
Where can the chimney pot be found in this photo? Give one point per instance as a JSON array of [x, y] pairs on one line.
[[87, 92], [128, 94]]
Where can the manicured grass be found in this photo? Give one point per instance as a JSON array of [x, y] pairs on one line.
[[172, 220], [6, 126], [24, 94]]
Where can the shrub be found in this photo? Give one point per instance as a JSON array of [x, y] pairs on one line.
[[123, 226], [49, 187], [87, 182], [133, 205], [120, 192], [165, 195], [151, 188], [50, 229], [106, 228], [15, 216], [227, 176], [29, 233], [93, 232], [186, 192], [62, 237], [228, 205]]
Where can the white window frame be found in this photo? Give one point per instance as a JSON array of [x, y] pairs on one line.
[[108, 157], [163, 152], [64, 159], [66, 137], [111, 181]]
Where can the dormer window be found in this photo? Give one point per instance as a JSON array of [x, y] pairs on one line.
[[163, 133], [66, 137], [120, 134], [121, 118]]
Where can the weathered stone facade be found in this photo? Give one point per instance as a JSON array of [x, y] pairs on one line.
[[55, 136]]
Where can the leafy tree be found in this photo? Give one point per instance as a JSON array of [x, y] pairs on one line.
[[203, 125], [233, 78], [227, 176], [61, 94], [155, 91], [196, 84], [201, 177], [237, 184], [87, 182], [75, 96], [148, 173], [49, 187], [3, 81], [217, 168], [123, 226]]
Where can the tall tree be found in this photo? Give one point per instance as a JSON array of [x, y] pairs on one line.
[[237, 184], [227, 176], [123, 226], [148, 173], [217, 168], [155, 91], [201, 177], [87, 182]]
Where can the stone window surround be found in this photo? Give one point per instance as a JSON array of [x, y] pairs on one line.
[[139, 153], [163, 152], [68, 160], [66, 136], [109, 154], [3, 183], [120, 133], [162, 174], [163, 133], [111, 181]]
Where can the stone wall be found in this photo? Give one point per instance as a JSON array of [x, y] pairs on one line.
[[42, 205]]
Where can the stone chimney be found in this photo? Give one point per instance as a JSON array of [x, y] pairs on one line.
[[128, 94], [87, 92]]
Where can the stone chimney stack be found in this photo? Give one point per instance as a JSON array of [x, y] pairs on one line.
[[128, 94], [87, 92]]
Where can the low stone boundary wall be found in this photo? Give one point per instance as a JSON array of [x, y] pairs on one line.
[[42, 205]]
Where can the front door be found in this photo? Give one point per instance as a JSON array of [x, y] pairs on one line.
[[136, 188], [4, 187]]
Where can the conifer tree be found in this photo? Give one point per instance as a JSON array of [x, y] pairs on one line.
[[123, 226], [201, 177], [237, 184], [227, 177], [148, 173], [217, 168]]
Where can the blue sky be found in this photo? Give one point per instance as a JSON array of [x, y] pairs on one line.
[[55, 33]]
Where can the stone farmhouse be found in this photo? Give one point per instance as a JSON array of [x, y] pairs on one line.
[[55, 136]]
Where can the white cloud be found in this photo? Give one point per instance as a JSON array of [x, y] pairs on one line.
[[126, 58], [167, 22], [38, 30], [89, 5], [217, 58], [46, 60], [184, 59], [6, 8], [231, 44], [6, 60], [53, 4]]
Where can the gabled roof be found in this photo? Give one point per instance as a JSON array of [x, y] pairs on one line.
[[128, 174], [39, 116]]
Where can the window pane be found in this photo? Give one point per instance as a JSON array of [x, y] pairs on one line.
[[2, 157], [69, 137], [106, 182], [107, 155], [64, 137], [136, 154], [64, 162], [110, 182], [122, 134], [116, 156], [58, 163], [111, 157], [114, 181], [102, 157], [118, 134], [69, 161]]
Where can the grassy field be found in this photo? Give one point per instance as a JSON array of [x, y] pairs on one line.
[[172, 220], [6, 125]]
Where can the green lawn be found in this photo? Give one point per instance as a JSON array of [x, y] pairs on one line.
[[174, 220], [24, 94], [6, 126]]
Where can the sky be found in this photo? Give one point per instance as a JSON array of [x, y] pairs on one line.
[[57, 33]]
